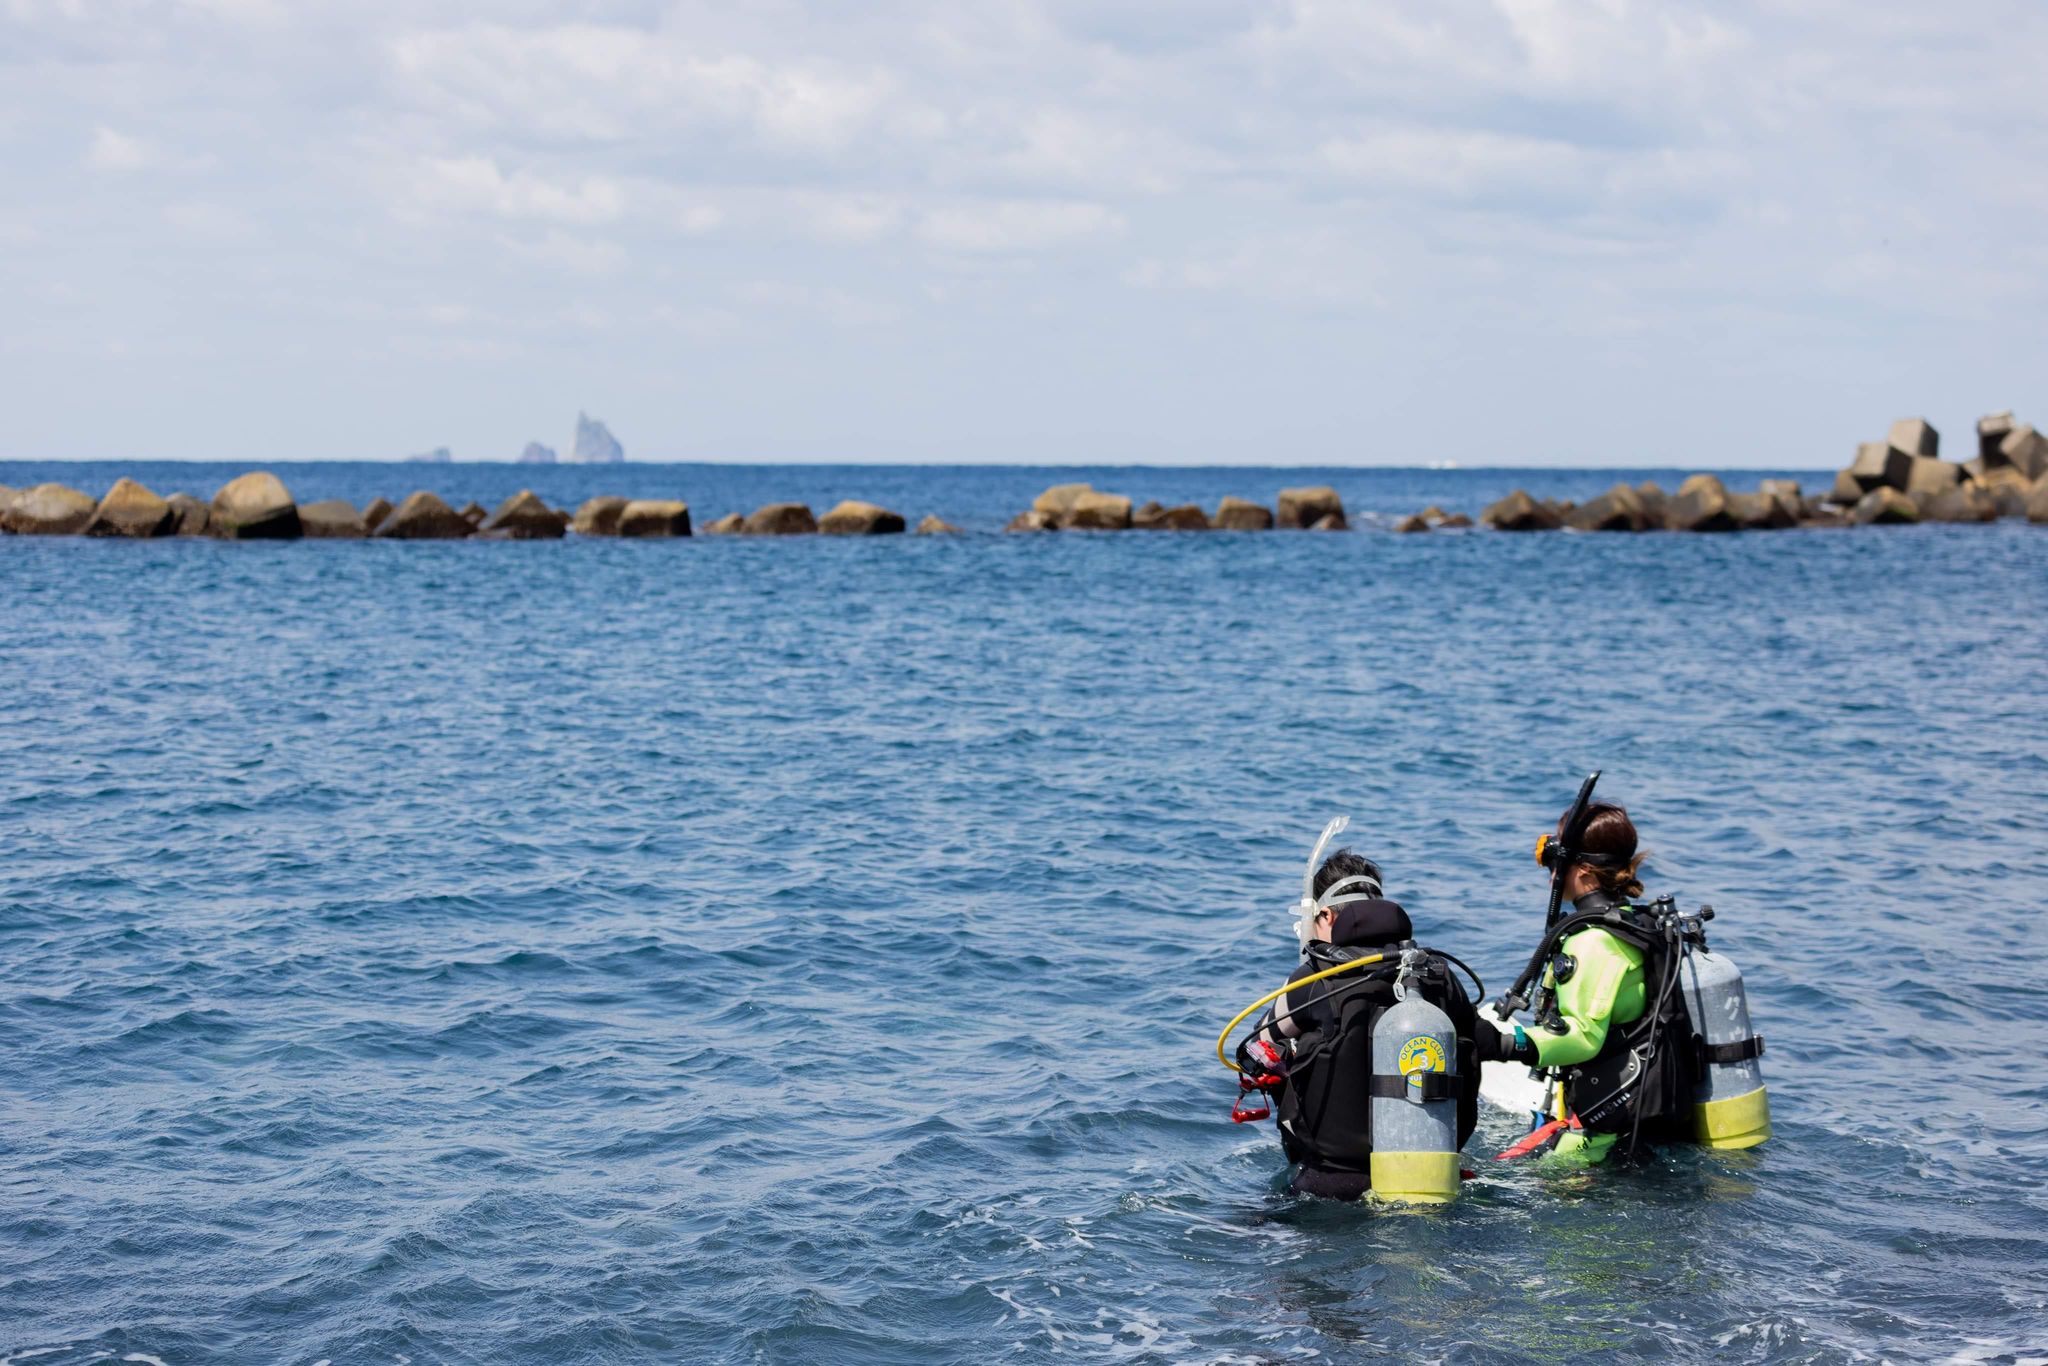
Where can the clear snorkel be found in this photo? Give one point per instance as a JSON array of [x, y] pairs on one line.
[[1309, 907]]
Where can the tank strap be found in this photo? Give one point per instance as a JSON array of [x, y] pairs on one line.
[[1395, 1085], [1742, 1050]]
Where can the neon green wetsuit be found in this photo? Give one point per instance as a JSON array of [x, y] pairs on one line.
[[1605, 989]]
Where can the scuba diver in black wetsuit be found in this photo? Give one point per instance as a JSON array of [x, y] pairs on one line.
[[1314, 1049]]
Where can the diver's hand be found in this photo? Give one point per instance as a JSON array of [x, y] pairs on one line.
[[1263, 1063], [1498, 1041]]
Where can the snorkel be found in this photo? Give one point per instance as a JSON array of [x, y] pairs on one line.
[[1310, 907], [1560, 851], [1343, 892], [1557, 853]]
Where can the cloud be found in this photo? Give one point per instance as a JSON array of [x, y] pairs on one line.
[[476, 185], [617, 84], [1015, 226], [840, 307], [849, 217], [112, 151], [1460, 163], [1502, 185], [209, 221], [557, 250]]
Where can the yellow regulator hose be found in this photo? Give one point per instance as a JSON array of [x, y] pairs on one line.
[[1276, 994]]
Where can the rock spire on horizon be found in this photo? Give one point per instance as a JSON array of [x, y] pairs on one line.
[[595, 444]]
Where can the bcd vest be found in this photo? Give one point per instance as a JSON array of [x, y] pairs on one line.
[[1324, 1107], [1640, 1083]]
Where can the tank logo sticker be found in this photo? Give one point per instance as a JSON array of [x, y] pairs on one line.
[[1422, 1053]]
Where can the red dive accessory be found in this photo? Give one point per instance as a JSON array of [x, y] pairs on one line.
[[1542, 1138], [1265, 1067], [1243, 1113]]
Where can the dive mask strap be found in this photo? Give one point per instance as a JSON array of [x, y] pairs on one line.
[[1370, 892]]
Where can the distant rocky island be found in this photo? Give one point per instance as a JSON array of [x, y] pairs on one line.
[[595, 444]]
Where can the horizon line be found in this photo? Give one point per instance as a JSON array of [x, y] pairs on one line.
[[401, 463]]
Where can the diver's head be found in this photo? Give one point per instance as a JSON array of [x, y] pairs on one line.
[[1607, 857], [1341, 867]]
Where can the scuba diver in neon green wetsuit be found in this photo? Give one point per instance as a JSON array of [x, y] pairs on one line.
[[1594, 987]]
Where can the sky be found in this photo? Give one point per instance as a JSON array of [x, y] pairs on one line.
[[1489, 232]]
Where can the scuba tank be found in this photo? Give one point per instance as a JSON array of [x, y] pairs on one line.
[[1414, 1095], [1730, 1107]]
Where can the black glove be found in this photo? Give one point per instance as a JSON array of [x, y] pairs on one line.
[[1495, 1041]]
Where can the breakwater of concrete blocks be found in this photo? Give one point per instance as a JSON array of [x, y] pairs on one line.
[[1901, 479]]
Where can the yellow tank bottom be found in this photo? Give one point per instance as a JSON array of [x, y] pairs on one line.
[[1735, 1121], [1415, 1178]]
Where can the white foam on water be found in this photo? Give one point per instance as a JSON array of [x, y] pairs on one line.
[[144, 1358], [1990, 1349]]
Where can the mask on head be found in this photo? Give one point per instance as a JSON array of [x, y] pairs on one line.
[[1340, 893]]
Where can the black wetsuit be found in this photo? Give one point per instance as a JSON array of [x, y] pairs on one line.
[[1325, 1109]]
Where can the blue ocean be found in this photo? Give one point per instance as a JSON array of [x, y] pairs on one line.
[[813, 950]]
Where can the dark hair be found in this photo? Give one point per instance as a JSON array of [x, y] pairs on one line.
[[1341, 865], [1608, 830]]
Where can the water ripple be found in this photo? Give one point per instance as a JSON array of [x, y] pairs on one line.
[[810, 951]]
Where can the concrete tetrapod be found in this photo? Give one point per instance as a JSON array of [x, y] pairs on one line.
[[424, 517], [48, 510], [1301, 509], [129, 509], [1915, 436], [1094, 511], [190, 517], [1519, 512], [1058, 500], [255, 507], [524, 517], [1701, 504], [781, 519], [856, 518], [1236, 514], [598, 516], [332, 520], [1884, 507], [645, 518]]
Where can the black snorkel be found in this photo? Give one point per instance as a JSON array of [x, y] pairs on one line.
[[1560, 851], [1557, 853]]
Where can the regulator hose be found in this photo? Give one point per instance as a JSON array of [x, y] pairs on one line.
[[1222, 1054], [1224, 1038], [1478, 987]]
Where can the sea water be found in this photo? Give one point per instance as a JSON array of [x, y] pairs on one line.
[[813, 950]]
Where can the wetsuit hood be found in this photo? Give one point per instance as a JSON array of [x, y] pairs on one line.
[[1363, 923]]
